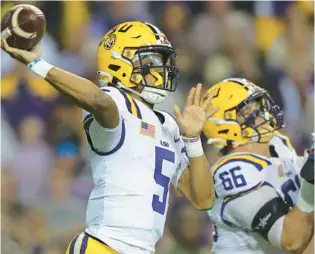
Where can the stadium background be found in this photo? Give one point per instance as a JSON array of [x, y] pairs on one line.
[[45, 178]]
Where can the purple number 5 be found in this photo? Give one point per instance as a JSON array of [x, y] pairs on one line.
[[162, 180]]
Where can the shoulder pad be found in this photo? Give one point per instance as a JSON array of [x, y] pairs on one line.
[[170, 122], [280, 146], [125, 103]]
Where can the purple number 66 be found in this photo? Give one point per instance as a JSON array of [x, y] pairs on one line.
[[230, 179]]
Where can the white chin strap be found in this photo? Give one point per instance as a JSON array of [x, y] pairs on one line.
[[153, 95]]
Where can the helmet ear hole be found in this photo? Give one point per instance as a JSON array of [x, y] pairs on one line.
[[113, 67], [223, 131]]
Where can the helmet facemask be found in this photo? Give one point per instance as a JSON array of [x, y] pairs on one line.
[[158, 61], [259, 117], [153, 68]]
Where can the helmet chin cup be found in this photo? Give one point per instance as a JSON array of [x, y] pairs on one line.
[[149, 94], [153, 96]]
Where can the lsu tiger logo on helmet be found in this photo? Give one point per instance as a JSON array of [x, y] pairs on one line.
[[247, 114], [132, 50]]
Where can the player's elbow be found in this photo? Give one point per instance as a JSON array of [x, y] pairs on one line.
[[98, 101], [293, 245], [104, 109], [294, 240], [102, 103]]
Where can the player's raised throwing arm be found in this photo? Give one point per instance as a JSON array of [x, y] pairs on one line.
[[196, 182], [85, 93]]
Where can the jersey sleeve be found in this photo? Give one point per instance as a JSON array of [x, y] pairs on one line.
[[265, 214], [239, 173], [104, 141]]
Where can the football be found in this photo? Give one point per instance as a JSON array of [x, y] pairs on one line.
[[23, 26]]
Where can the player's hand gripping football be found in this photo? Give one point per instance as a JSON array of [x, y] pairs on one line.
[[193, 117], [23, 56]]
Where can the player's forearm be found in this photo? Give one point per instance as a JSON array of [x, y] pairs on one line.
[[86, 95], [298, 229], [201, 183], [299, 222], [298, 226], [83, 91]]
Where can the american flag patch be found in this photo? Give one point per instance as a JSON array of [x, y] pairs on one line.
[[147, 129]]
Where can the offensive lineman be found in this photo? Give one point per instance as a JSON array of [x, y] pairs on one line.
[[260, 207], [135, 152]]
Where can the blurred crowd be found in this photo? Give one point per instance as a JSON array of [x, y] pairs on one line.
[[45, 177]]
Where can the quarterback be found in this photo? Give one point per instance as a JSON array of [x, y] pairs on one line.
[[264, 201], [135, 151]]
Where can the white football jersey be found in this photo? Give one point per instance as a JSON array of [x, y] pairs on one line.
[[133, 166], [244, 183]]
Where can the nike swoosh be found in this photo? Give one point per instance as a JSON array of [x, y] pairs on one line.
[[176, 140]]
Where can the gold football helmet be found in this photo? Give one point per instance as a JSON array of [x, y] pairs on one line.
[[247, 114], [132, 50]]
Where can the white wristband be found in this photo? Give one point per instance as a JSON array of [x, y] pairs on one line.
[[40, 67], [193, 147], [305, 200]]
